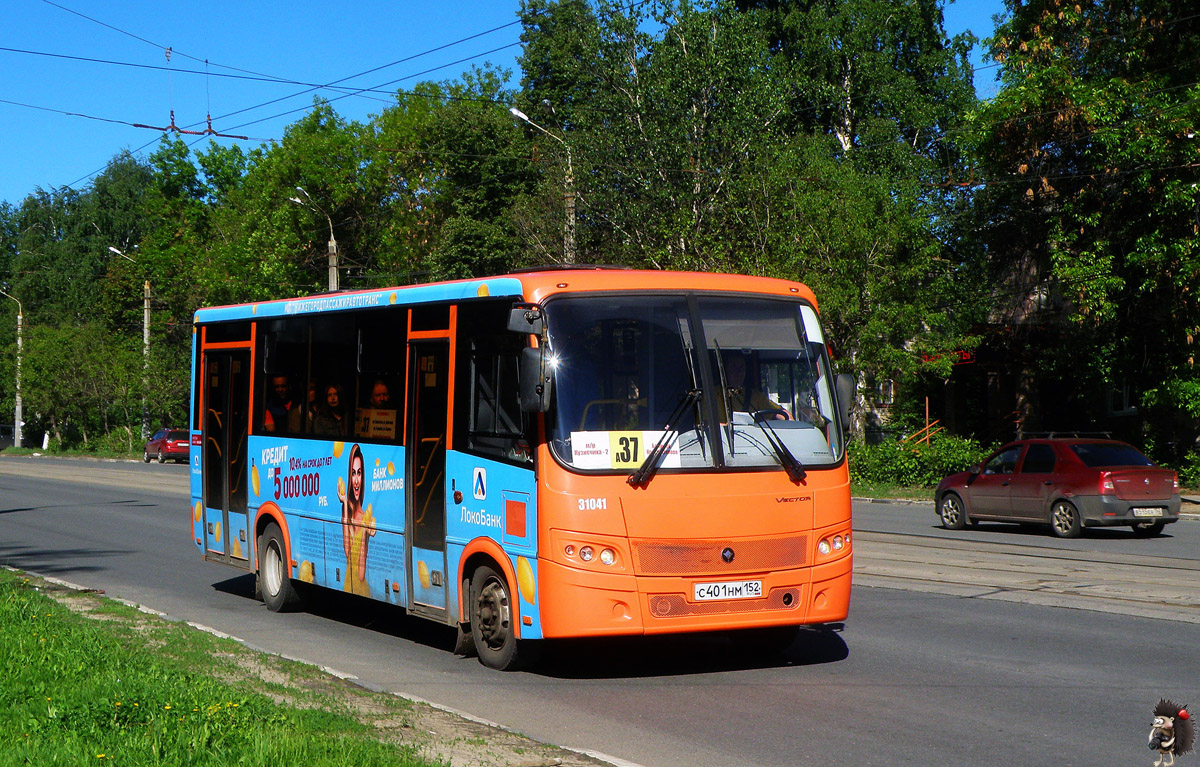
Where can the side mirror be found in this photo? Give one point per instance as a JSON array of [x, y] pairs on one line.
[[535, 381], [526, 318], [844, 386], [975, 469]]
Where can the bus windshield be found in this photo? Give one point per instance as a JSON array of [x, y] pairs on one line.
[[751, 373]]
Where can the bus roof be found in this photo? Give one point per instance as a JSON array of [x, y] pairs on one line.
[[531, 286], [541, 285]]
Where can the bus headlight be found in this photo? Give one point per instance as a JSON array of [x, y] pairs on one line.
[[587, 553], [608, 556], [833, 545]]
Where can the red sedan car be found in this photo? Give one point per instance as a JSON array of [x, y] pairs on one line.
[[167, 443], [1067, 484]]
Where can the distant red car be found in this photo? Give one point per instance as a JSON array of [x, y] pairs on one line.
[[168, 443], [1067, 484]]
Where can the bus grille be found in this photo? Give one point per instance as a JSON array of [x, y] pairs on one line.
[[689, 558], [677, 606]]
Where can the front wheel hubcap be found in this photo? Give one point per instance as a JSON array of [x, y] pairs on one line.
[[1064, 518], [950, 512], [272, 569], [493, 614]]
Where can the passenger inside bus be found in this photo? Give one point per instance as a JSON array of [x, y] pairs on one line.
[[376, 419], [279, 405], [380, 397], [331, 418], [300, 418]]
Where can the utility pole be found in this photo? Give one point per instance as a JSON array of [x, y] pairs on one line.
[[18, 415], [145, 359], [145, 347], [568, 191], [333, 251]]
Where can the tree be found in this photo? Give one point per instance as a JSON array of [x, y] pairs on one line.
[[1091, 209], [807, 140]]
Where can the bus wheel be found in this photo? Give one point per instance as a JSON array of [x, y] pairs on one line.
[[274, 575], [492, 622]]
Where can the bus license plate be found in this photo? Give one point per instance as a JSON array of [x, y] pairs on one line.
[[1151, 511], [708, 592]]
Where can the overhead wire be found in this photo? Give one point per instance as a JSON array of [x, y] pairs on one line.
[[250, 75], [356, 91]]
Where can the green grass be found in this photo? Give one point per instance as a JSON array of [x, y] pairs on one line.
[[92, 681], [73, 453], [895, 492]]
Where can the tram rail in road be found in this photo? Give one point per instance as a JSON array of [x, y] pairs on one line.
[[1130, 584]]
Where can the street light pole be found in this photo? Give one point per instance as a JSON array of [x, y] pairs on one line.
[[145, 359], [145, 347], [568, 190], [18, 415], [333, 251]]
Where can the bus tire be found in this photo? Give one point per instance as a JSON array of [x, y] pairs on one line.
[[492, 623], [274, 575]]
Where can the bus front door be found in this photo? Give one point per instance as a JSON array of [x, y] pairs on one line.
[[428, 411], [225, 427]]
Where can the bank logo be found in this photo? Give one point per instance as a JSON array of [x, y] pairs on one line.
[[479, 483]]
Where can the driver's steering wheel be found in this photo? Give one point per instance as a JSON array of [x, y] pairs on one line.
[[769, 414]]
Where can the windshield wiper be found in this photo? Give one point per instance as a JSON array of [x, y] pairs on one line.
[[789, 462], [654, 457]]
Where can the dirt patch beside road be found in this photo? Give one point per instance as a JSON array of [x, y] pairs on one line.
[[437, 733]]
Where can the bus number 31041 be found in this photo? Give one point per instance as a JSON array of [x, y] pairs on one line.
[[592, 504]]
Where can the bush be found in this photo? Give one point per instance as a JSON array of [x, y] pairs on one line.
[[913, 464], [1189, 470]]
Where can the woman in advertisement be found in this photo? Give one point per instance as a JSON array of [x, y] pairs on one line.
[[358, 525]]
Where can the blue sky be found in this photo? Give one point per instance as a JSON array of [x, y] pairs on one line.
[[105, 63]]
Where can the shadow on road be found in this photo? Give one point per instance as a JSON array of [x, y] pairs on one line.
[[606, 658], [683, 654], [50, 561], [1028, 530]]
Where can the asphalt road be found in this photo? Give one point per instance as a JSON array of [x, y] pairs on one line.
[[995, 646]]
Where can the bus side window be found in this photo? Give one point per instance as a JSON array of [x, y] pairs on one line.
[[496, 423], [279, 402], [332, 355], [489, 405], [380, 368]]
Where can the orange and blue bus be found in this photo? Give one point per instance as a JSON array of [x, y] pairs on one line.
[[547, 454]]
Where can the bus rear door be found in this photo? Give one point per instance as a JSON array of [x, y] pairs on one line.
[[428, 429], [226, 422]]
